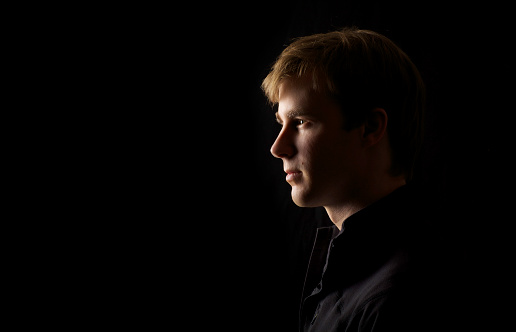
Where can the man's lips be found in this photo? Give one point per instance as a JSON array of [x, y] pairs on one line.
[[292, 175]]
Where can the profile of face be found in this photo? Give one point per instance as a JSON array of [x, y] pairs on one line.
[[323, 161]]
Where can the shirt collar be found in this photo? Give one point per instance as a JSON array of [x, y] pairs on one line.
[[378, 215]]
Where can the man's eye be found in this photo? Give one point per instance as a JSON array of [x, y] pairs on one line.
[[299, 122]]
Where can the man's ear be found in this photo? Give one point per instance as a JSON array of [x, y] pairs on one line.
[[375, 127]]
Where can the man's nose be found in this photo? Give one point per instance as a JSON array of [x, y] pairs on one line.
[[283, 147]]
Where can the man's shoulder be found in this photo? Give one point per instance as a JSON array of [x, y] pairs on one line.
[[392, 297], [389, 278], [358, 303]]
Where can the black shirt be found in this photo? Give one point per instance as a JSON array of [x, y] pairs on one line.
[[386, 270]]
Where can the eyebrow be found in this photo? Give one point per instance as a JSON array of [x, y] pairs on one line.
[[292, 114]]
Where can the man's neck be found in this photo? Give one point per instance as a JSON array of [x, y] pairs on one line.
[[339, 213]]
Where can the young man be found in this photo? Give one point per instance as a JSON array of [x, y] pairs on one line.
[[351, 104]]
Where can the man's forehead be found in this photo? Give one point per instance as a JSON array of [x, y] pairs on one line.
[[297, 97], [300, 87], [293, 96]]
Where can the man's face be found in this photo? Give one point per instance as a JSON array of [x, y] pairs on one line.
[[321, 159]]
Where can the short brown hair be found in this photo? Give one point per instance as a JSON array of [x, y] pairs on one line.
[[361, 70]]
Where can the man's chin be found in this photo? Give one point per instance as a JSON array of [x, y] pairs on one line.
[[302, 199]]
